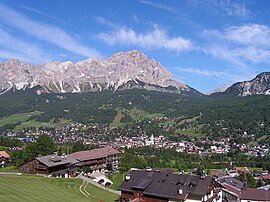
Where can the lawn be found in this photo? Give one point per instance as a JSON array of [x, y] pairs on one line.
[[190, 120], [37, 124], [37, 188], [9, 169], [117, 119], [18, 118], [192, 132], [258, 140], [117, 179], [139, 114]]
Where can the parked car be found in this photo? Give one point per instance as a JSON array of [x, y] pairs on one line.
[[101, 181]]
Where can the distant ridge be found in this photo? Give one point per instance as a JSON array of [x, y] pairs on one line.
[[260, 85]]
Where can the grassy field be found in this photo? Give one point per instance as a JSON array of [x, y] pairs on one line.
[[17, 118], [139, 114], [23, 120], [117, 179], [258, 140], [36, 124], [9, 169], [36, 188], [189, 120], [117, 119], [192, 132]]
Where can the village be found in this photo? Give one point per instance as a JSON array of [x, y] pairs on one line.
[[129, 138], [141, 184]]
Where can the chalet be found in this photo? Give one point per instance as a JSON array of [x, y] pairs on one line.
[[4, 158], [97, 159], [54, 165], [163, 185]]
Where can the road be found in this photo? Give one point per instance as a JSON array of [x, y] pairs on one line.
[[98, 185], [9, 173]]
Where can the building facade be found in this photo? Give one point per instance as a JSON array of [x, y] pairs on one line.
[[54, 165], [98, 160]]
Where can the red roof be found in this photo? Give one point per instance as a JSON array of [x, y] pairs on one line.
[[255, 194], [94, 154], [265, 177], [4, 154]]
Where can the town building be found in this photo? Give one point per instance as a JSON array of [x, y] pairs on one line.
[[98, 160], [54, 165], [4, 158], [163, 185]]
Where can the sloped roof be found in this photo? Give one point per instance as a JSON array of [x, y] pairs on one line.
[[55, 160], [166, 185], [231, 184], [255, 194], [94, 154], [4, 154]]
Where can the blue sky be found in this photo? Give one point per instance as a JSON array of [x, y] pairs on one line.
[[203, 43]]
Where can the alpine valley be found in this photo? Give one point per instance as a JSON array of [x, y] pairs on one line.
[[127, 90]]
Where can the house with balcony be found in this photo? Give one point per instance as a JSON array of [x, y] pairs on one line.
[[54, 165], [164, 185], [97, 160]]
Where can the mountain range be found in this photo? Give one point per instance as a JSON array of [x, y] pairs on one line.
[[124, 70]]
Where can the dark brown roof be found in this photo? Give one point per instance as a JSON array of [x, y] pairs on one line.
[[255, 194], [55, 160], [94, 154], [231, 184], [166, 185]]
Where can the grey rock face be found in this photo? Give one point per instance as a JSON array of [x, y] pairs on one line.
[[258, 86], [118, 72], [219, 89]]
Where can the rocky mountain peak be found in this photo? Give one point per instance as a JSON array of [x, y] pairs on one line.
[[123, 70], [219, 89], [260, 85]]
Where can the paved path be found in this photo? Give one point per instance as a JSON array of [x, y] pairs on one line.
[[10, 173], [98, 185]]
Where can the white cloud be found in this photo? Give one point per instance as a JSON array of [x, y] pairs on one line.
[[18, 55], [45, 32], [158, 5], [236, 9], [135, 18], [202, 72], [212, 73], [252, 34], [157, 38], [225, 7], [106, 22], [28, 52], [42, 13], [240, 44]]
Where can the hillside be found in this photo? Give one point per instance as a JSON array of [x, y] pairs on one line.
[[22, 109]]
